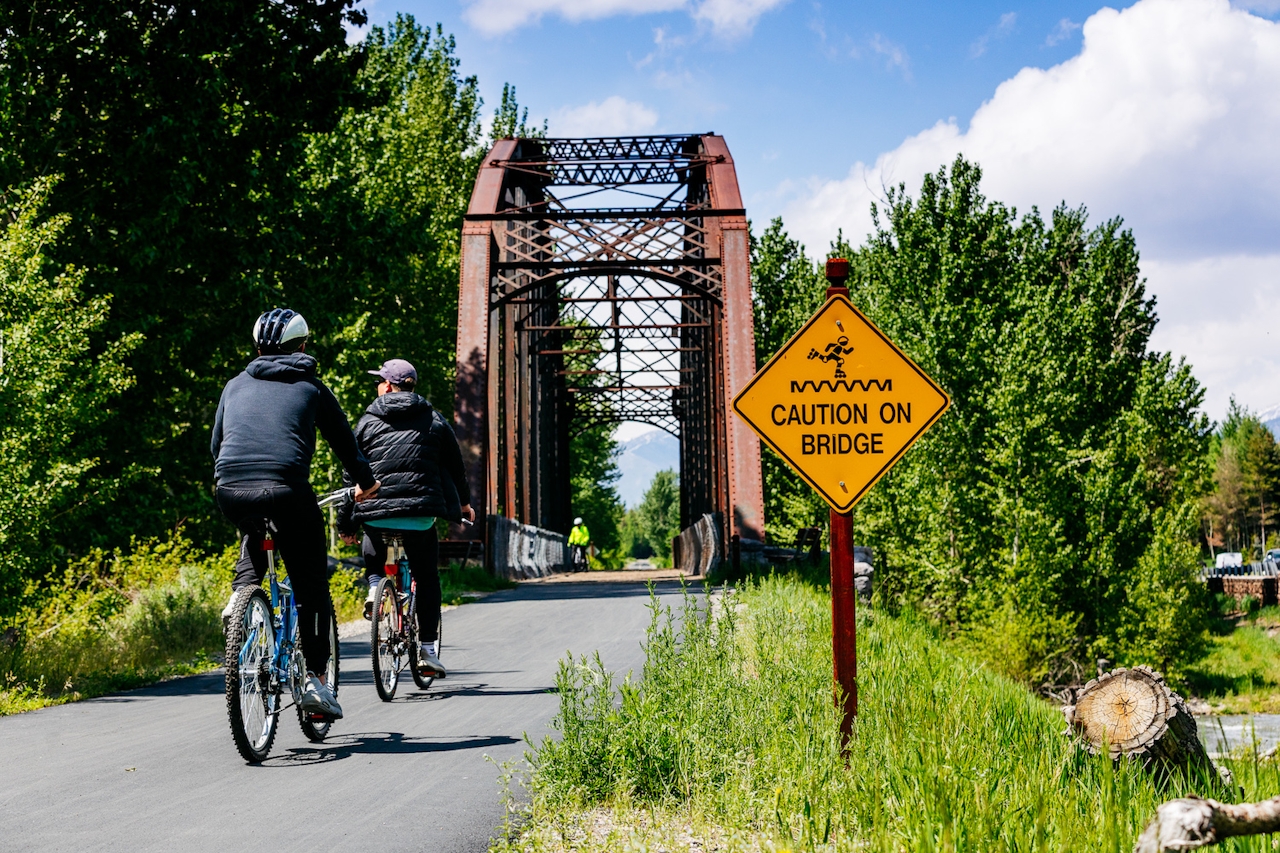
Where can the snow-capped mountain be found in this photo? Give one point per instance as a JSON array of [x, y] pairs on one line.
[[642, 457], [1271, 419]]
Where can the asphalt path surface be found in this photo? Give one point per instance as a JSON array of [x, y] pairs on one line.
[[155, 768]]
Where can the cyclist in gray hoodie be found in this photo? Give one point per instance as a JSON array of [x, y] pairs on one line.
[[264, 436]]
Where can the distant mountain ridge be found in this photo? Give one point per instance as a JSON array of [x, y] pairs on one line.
[[1271, 419], [640, 458]]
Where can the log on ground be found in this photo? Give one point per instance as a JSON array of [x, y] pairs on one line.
[[1190, 823], [1133, 714]]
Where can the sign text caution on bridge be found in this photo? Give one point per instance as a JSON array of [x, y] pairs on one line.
[[841, 403]]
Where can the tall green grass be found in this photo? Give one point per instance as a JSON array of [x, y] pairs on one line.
[[127, 618], [733, 720], [115, 620]]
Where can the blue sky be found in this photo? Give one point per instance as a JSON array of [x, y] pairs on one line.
[[1164, 112]]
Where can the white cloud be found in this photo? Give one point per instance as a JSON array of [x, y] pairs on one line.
[[614, 116], [1064, 30], [894, 54], [1168, 117], [733, 18], [1002, 28], [495, 17], [727, 18], [1223, 314]]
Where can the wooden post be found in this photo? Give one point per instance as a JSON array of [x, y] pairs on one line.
[[844, 598], [844, 626]]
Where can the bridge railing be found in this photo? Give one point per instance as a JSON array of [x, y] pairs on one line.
[[524, 551], [1265, 569], [698, 549]]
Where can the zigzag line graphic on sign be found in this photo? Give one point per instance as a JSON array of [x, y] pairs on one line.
[[801, 387]]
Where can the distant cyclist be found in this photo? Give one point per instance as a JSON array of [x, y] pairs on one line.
[[579, 539], [416, 457], [264, 436]]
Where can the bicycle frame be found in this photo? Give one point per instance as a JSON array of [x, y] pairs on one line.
[[284, 628]]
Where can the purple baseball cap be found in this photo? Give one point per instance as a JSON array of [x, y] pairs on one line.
[[397, 371]]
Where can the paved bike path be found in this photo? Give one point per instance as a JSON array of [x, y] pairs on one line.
[[155, 769]]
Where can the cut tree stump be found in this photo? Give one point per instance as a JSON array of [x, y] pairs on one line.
[[1132, 713], [1190, 823]]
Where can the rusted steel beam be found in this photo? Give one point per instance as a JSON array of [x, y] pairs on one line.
[[690, 349], [535, 214], [472, 392], [746, 490]]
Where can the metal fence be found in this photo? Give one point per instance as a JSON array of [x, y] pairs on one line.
[[1265, 569], [698, 549], [524, 551]]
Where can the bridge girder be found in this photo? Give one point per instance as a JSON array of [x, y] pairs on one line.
[[580, 307]]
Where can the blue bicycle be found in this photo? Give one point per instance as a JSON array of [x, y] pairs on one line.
[[264, 659]]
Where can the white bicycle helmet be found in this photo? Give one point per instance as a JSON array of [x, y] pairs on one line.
[[280, 331]]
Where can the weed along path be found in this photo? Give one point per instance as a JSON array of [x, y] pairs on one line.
[[155, 768]]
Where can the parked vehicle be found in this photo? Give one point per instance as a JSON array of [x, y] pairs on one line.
[[1229, 560]]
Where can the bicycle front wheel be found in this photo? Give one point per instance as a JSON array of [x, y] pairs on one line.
[[316, 726], [253, 703], [385, 641]]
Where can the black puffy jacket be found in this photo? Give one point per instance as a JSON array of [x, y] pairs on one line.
[[415, 454]]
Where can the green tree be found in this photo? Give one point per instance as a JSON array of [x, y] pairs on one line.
[[594, 471], [787, 287], [1245, 461], [593, 454], [179, 130], [657, 519], [387, 188], [55, 395], [1072, 457]]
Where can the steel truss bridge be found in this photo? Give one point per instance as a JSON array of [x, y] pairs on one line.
[[606, 280]]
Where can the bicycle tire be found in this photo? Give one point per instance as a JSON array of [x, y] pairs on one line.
[[422, 681], [384, 640], [253, 709], [315, 726]]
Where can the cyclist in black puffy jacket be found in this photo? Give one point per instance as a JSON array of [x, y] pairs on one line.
[[264, 435], [416, 458]]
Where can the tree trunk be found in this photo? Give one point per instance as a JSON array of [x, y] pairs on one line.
[[1132, 713], [1191, 823]]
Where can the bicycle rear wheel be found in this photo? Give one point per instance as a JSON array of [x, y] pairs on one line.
[[316, 726], [386, 642], [253, 704]]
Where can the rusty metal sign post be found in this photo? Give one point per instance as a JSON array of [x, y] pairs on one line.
[[841, 403]]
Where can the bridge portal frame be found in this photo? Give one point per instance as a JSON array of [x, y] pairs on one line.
[[516, 396]]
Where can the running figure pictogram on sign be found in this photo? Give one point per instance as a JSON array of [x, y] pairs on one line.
[[834, 352]]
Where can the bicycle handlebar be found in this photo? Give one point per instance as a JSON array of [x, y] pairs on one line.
[[341, 494], [334, 497]]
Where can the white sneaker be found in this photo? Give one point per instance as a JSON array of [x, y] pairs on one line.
[[226, 612], [370, 601], [428, 664], [317, 698]]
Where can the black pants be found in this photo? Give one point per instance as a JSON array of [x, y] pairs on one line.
[[300, 541], [422, 547]]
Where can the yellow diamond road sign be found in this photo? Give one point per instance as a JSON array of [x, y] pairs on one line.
[[840, 403]]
